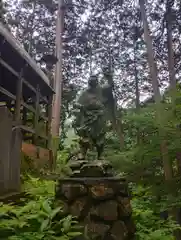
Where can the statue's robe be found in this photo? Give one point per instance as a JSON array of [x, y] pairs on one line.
[[90, 122]]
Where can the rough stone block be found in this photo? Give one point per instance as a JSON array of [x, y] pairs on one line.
[[78, 207], [106, 211], [72, 191], [91, 170], [102, 191], [124, 207], [102, 204], [96, 230], [76, 165], [119, 231]]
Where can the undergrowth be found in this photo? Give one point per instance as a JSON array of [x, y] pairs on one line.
[[147, 217], [37, 217]]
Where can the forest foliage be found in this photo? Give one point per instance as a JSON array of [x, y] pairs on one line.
[[141, 40]]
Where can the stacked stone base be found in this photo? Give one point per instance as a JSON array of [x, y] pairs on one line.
[[101, 203]]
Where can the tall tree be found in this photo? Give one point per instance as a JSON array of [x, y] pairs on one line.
[[153, 71], [57, 103], [169, 26]]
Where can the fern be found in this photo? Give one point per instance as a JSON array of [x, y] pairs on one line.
[[38, 218]]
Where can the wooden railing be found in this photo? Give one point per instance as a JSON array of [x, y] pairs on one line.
[[34, 109]]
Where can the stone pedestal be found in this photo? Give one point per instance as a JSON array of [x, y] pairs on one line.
[[99, 200]]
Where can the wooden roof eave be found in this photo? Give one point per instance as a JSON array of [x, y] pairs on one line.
[[22, 52]]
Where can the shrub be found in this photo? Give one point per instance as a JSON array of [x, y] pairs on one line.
[[36, 218]]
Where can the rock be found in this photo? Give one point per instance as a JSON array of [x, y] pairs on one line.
[[78, 206], [105, 164], [76, 165], [119, 231], [101, 204], [121, 189], [96, 230], [102, 191], [124, 207], [91, 170], [108, 169], [131, 228], [76, 174], [106, 211], [72, 191]]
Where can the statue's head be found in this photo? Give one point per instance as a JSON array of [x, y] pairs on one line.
[[93, 81]]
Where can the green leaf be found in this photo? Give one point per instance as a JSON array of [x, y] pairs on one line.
[[74, 234], [44, 214], [44, 225], [47, 207], [33, 216], [54, 212], [67, 223]]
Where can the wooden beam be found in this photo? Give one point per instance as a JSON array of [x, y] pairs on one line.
[[7, 93], [4, 64], [29, 86], [43, 136], [28, 107], [29, 130], [43, 117], [34, 90], [23, 54], [18, 99], [7, 66]]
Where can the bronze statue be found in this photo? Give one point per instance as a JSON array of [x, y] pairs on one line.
[[90, 117]]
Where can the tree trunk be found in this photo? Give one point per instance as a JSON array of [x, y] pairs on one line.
[[167, 166], [116, 123], [137, 93], [172, 80], [117, 126], [151, 61], [171, 65], [58, 83]]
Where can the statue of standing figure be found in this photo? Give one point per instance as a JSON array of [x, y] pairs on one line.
[[91, 117]]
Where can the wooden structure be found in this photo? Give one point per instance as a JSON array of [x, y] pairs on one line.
[[26, 92]]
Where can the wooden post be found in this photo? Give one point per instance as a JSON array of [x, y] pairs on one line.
[[37, 113], [48, 126], [6, 121], [19, 87], [48, 130]]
